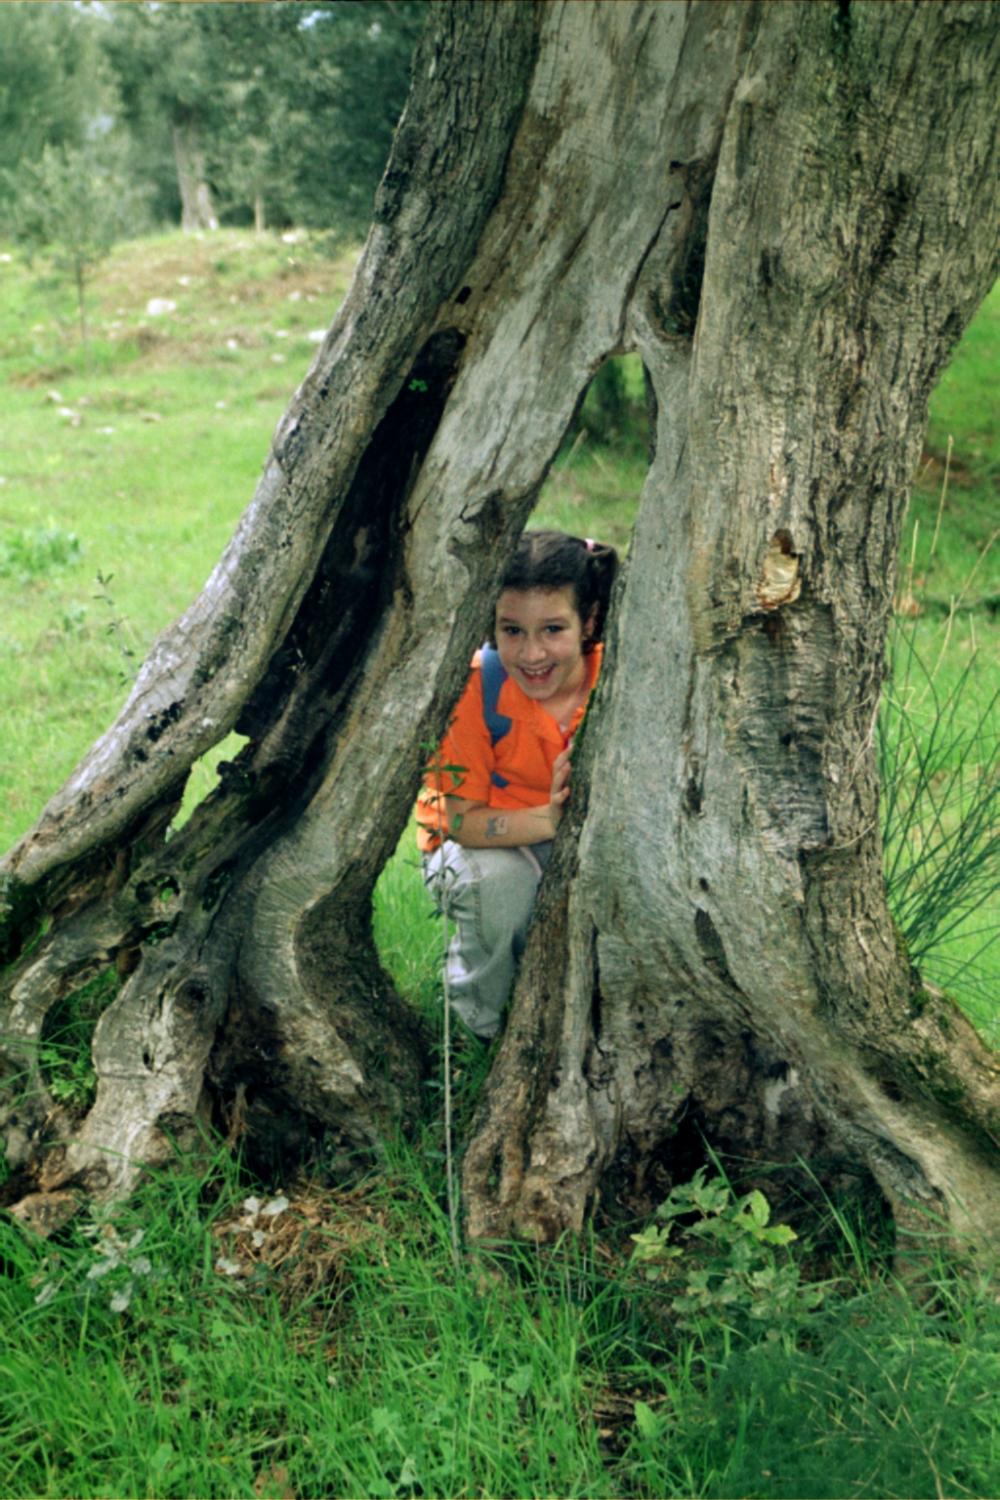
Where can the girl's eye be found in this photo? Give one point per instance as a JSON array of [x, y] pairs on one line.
[[555, 629], [511, 629]]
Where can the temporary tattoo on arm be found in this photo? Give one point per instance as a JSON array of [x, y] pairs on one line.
[[496, 827]]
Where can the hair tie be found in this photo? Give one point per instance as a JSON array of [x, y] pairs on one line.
[[589, 543]]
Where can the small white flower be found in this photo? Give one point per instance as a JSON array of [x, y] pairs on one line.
[[137, 1239], [276, 1206], [141, 1266], [102, 1267], [252, 1206], [122, 1298], [46, 1294], [228, 1267], [258, 1238]]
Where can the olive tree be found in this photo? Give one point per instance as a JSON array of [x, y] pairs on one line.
[[789, 212]]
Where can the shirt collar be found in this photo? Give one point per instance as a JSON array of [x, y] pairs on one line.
[[517, 705]]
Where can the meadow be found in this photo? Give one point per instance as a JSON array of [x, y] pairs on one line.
[[219, 1336]]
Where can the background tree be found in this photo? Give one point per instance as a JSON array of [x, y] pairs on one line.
[[350, 96], [168, 80], [755, 198], [54, 84], [71, 206], [283, 113]]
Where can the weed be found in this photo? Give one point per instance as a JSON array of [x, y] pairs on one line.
[[118, 629], [727, 1268], [64, 1054], [74, 619], [32, 552]]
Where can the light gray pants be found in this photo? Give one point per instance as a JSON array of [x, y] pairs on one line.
[[489, 895]]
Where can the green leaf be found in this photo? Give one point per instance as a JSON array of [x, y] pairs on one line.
[[757, 1206], [779, 1234], [408, 1474], [711, 1197], [385, 1419], [520, 1380], [646, 1420], [162, 1457], [650, 1242]]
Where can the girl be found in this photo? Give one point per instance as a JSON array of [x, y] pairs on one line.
[[495, 791]]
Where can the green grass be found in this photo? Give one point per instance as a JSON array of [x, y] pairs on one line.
[[167, 431], [163, 1352]]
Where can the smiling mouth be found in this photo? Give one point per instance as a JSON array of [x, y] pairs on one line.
[[537, 674]]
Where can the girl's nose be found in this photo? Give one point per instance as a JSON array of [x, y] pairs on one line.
[[533, 651]]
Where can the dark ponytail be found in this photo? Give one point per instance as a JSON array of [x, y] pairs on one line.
[[555, 560]]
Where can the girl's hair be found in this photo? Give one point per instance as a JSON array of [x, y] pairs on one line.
[[554, 560]]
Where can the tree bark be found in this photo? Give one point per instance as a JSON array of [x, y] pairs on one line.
[[732, 960], [789, 215]]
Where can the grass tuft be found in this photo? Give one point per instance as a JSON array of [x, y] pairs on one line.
[[940, 797]]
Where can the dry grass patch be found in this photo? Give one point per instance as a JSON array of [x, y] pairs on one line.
[[302, 1243]]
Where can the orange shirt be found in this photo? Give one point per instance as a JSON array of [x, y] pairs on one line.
[[467, 758]]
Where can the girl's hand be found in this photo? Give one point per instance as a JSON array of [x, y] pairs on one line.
[[559, 793]]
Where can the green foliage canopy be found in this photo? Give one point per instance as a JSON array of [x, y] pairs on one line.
[[294, 105], [54, 80]]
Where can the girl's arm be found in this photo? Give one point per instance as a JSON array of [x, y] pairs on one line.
[[476, 825]]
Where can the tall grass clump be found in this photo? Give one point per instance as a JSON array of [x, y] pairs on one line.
[[938, 767], [937, 742]]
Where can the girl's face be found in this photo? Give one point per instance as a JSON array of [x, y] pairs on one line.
[[540, 636]]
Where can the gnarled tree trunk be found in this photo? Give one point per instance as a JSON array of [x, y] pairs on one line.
[[788, 212]]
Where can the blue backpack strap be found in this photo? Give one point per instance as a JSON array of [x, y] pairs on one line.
[[493, 676]]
